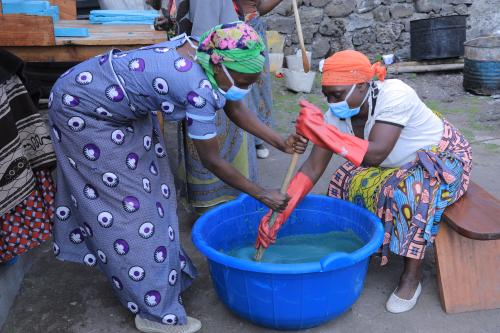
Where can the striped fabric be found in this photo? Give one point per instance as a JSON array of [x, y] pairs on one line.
[[25, 144]]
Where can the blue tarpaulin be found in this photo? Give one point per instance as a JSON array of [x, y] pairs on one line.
[[123, 16], [39, 8]]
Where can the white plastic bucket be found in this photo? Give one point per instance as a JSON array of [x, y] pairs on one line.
[[299, 81], [294, 61], [275, 61]]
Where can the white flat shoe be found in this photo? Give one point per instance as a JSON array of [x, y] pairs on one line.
[[149, 326], [262, 152], [396, 304]]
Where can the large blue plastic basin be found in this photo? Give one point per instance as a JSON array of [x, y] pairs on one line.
[[287, 296]]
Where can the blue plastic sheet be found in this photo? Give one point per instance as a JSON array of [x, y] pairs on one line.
[[71, 32], [38, 8], [122, 16]]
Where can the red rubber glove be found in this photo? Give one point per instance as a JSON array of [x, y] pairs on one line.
[[299, 187], [311, 124]]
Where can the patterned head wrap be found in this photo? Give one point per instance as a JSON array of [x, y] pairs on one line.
[[350, 67], [236, 45]]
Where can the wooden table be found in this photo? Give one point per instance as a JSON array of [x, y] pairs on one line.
[[34, 41], [102, 38]]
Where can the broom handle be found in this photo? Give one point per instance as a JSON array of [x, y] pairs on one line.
[[284, 188], [305, 60]]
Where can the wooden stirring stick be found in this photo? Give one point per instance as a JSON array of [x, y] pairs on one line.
[[284, 188], [286, 182], [305, 59]]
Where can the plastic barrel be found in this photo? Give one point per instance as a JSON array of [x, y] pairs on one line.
[[438, 38], [287, 296], [482, 65]]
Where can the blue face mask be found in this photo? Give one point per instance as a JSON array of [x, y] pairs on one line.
[[342, 109], [234, 93]]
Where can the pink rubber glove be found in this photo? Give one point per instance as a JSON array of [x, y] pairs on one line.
[[299, 187], [311, 125]]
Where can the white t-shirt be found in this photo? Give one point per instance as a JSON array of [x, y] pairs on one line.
[[398, 104]]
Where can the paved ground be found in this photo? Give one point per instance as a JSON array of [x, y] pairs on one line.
[[70, 298]]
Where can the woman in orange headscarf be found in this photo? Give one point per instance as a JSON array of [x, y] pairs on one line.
[[405, 163]]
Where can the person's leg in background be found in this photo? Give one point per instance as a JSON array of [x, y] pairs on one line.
[[202, 189], [260, 99]]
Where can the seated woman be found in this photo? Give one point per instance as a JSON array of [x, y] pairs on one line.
[[116, 202], [405, 163]]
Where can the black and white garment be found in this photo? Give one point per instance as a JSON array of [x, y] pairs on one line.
[[25, 143]]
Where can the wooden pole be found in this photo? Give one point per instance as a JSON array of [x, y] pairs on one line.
[[284, 188], [396, 69], [305, 60], [293, 163], [161, 121]]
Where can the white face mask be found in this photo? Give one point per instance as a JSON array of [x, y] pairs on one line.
[[234, 93], [190, 42]]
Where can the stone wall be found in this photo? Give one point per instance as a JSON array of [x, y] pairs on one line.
[[370, 26], [484, 18]]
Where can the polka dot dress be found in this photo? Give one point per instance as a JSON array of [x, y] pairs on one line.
[[115, 200]]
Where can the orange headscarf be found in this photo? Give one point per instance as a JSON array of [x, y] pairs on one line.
[[350, 67]]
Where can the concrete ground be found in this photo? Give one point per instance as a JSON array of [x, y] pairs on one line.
[[70, 298]]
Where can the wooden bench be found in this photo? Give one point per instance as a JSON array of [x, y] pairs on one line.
[[468, 253]]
